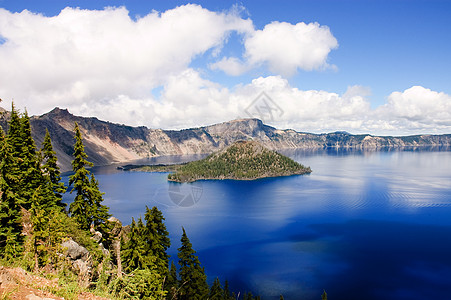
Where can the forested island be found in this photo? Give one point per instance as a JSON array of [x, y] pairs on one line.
[[243, 160]]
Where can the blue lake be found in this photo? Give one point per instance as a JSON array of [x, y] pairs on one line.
[[363, 225]]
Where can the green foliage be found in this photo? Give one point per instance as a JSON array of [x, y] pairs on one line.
[[324, 295], [23, 149], [86, 209], [140, 284], [51, 170], [216, 291], [226, 292], [171, 284], [79, 209], [157, 239], [134, 250], [99, 213], [242, 160], [193, 282], [10, 215]]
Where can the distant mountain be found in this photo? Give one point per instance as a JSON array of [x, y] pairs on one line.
[[107, 143], [243, 160]]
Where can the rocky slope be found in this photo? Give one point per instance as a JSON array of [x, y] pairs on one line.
[[107, 142]]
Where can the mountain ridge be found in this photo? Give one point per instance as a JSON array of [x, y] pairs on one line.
[[107, 142]]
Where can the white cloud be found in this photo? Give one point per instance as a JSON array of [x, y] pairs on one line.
[[83, 55], [231, 66], [286, 47]]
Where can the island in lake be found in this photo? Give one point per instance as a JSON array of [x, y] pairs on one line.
[[243, 160]]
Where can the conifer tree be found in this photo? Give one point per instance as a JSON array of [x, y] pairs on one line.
[[80, 208], [10, 215], [40, 212], [133, 251], [171, 282], [157, 239], [226, 294], [193, 282], [324, 295], [51, 169], [32, 176], [216, 292], [99, 212]]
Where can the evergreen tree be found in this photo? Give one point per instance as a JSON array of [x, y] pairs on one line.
[[193, 282], [10, 214], [324, 295], [134, 250], [40, 213], [99, 212], [281, 297], [171, 282], [51, 169], [30, 167], [216, 291], [157, 239], [226, 294], [80, 208]]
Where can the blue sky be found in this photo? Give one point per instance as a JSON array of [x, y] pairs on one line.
[[384, 66]]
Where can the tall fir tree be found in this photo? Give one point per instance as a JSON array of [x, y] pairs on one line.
[[226, 294], [99, 212], [11, 239], [171, 283], [158, 240], [32, 174], [324, 295], [133, 252], [216, 291], [51, 169], [193, 281], [80, 208]]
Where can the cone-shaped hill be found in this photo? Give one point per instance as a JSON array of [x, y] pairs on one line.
[[244, 160]]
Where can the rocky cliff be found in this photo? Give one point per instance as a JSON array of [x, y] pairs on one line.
[[107, 143]]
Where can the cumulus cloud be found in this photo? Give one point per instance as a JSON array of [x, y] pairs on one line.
[[231, 66], [416, 109], [82, 55], [286, 47]]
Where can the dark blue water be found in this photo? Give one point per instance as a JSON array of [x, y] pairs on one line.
[[363, 225]]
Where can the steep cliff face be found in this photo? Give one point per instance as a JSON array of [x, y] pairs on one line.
[[107, 143]]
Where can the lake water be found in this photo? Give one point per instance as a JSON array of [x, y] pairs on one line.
[[363, 225]]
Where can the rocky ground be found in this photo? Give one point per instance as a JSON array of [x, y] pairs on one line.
[[16, 283]]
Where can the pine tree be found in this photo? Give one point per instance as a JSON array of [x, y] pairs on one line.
[[193, 282], [157, 239], [324, 295], [80, 208], [99, 212], [32, 176], [226, 294], [51, 169], [216, 291], [133, 251], [40, 214], [10, 214], [171, 282]]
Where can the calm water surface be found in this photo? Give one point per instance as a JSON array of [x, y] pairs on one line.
[[363, 225]]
